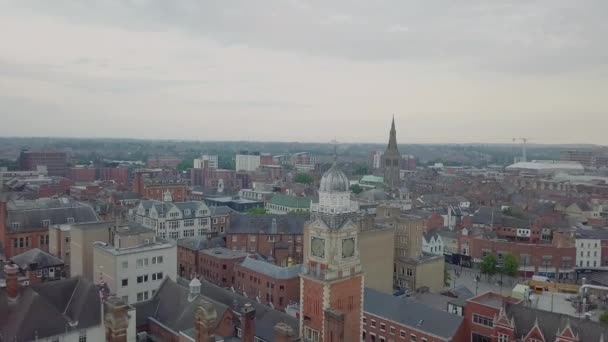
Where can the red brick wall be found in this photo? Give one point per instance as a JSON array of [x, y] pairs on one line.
[[279, 292], [313, 304], [216, 270], [81, 174], [179, 193], [345, 296], [34, 242], [265, 247], [161, 333], [471, 327], [398, 328], [186, 262]]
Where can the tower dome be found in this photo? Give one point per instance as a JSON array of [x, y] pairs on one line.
[[334, 180]]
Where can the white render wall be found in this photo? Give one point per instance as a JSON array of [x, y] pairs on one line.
[[588, 253], [95, 333]]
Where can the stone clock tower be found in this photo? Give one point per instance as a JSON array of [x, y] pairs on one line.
[[331, 286]]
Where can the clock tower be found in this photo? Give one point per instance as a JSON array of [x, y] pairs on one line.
[[331, 285]]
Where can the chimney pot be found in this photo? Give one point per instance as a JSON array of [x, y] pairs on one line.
[[12, 283]]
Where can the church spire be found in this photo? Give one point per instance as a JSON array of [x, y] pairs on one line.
[[392, 140]]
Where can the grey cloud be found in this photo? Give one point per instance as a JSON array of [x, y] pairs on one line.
[[544, 36]]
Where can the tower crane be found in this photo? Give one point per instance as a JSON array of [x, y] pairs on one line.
[[524, 141]]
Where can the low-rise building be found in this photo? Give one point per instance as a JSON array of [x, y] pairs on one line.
[[174, 220], [386, 318], [136, 262], [41, 265], [75, 242], [432, 243], [284, 204], [188, 252], [24, 225], [276, 236], [217, 265], [247, 161], [269, 284]]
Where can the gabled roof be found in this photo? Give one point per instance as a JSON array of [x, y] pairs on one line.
[[271, 270], [48, 309], [36, 256], [411, 313], [551, 323], [221, 210]]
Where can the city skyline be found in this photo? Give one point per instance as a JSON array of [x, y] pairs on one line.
[[296, 71]]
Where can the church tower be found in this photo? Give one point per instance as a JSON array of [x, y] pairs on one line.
[[331, 285], [391, 160]]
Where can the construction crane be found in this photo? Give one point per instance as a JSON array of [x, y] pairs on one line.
[[524, 141]]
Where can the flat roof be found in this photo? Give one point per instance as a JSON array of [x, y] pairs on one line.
[[224, 253]]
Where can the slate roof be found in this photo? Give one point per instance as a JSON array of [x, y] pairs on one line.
[[30, 214], [171, 307], [272, 270], [48, 309], [170, 294], [411, 313], [373, 195], [297, 202], [221, 210], [550, 322], [126, 195], [36, 256], [254, 224], [200, 243]]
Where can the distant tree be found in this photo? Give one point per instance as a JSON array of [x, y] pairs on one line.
[[488, 265], [185, 165], [447, 278], [256, 211], [604, 318], [510, 265], [303, 178], [356, 189], [225, 161], [361, 170]]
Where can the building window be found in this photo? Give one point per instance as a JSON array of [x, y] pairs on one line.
[[174, 235], [483, 320], [188, 223], [382, 339], [382, 327], [82, 336], [402, 334], [70, 220], [173, 224], [157, 276], [409, 272], [125, 282], [503, 338], [412, 338], [373, 323], [46, 223], [392, 330], [364, 320]]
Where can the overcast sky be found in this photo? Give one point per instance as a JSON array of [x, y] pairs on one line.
[[295, 70]]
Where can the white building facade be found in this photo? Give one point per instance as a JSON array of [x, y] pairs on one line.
[[135, 266], [212, 160], [588, 253], [174, 221], [433, 244], [247, 162]]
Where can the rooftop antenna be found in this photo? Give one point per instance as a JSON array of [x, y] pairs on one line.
[[335, 143]]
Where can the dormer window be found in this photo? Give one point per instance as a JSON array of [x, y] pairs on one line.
[[46, 223], [15, 225], [70, 220]]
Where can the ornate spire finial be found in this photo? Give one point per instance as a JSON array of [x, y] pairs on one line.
[[335, 143]]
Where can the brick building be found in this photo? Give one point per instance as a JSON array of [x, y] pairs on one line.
[[217, 265], [56, 162], [276, 236], [119, 175], [270, 284], [163, 162], [155, 188], [25, 224], [387, 318], [556, 260], [188, 254], [491, 317]]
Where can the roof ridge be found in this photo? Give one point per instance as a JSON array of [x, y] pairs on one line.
[[72, 296]]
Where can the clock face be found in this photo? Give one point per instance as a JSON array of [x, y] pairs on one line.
[[317, 247], [348, 248]]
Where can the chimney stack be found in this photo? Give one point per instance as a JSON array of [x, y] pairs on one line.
[[283, 333], [12, 283], [248, 323], [116, 319], [204, 321]]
